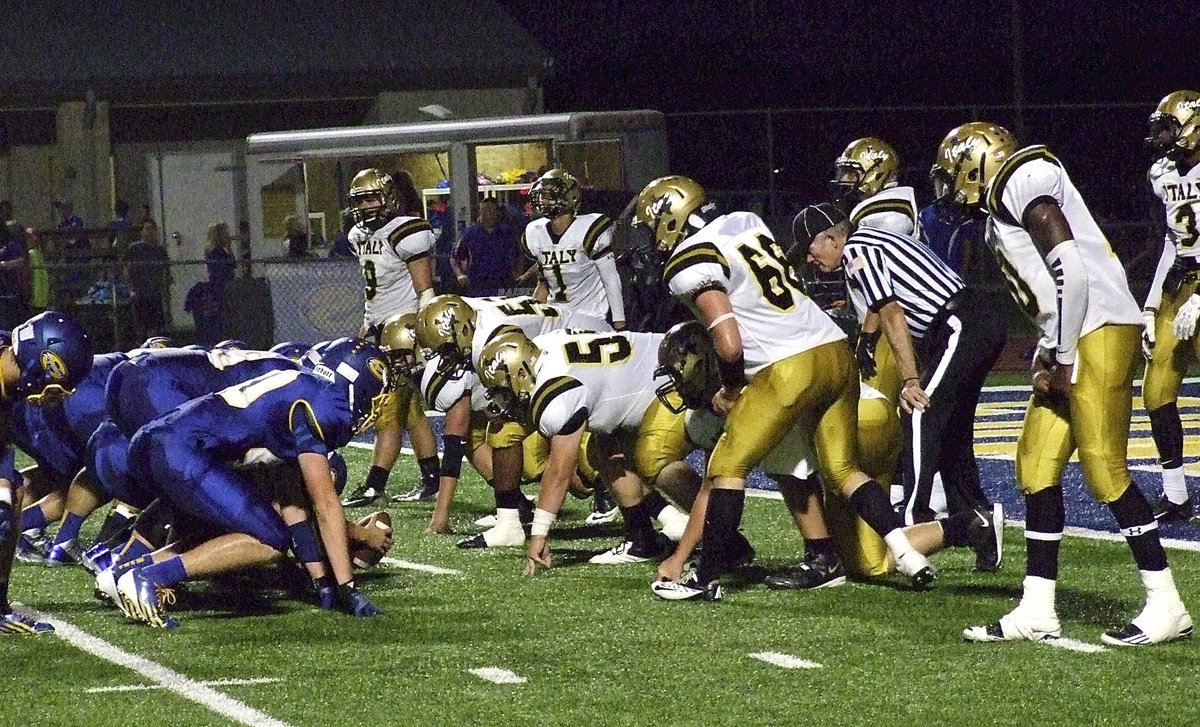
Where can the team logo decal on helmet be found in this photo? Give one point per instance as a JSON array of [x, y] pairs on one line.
[[377, 368], [53, 365]]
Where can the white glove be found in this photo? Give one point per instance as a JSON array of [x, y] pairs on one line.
[[1185, 320], [1148, 334]]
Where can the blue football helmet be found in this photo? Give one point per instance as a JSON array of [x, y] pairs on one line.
[[361, 367], [290, 349], [232, 344], [54, 354]]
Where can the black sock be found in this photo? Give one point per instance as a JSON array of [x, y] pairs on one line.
[[638, 527], [430, 471], [955, 529], [822, 547], [524, 508], [721, 522], [873, 506], [377, 478], [1045, 519], [1167, 431], [655, 503], [510, 500], [115, 524], [1139, 528]]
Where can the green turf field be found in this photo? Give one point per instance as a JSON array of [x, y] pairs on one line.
[[596, 648]]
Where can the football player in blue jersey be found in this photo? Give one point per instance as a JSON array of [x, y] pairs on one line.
[[42, 362], [292, 416]]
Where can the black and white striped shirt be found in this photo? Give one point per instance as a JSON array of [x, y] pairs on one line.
[[888, 267]]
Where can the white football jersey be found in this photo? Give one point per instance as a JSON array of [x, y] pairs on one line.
[[383, 256], [1034, 173], [893, 209], [737, 254], [527, 314], [611, 375], [568, 262], [1180, 194], [442, 389]]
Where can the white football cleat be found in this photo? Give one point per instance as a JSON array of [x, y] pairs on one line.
[[495, 537], [1016, 626], [687, 588], [1154, 625], [487, 521], [106, 586], [627, 552]]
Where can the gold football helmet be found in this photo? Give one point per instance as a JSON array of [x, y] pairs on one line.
[[968, 159], [398, 339], [665, 206], [446, 326], [686, 356], [373, 197], [1175, 124], [866, 167], [507, 368], [556, 193]]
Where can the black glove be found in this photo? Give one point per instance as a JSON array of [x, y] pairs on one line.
[[355, 603], [865, 353]]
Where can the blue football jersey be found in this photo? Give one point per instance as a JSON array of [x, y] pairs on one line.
[[274, 417]]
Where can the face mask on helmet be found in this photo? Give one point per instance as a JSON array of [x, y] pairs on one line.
[[290, 349], [847, 176], [231, 344], [372, 197], [53, 353], [556, 193], [157, 342], [686, 357]]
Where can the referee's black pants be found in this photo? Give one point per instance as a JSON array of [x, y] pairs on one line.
[[955, 355]]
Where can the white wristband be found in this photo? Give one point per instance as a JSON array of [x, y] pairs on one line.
[[542, 520], [424, 297], [720, 319]]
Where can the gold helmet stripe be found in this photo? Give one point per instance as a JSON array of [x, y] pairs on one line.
[[552, 390], [995, 197], [704, 252], [405, 229], [867, 209], [598, 228]]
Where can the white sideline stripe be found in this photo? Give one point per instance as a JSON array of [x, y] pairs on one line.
[[189, 689], [409, 565], [496, 675], [786, 661], [209, 683], [1028, 387], [1082, 647], [1172, 543]]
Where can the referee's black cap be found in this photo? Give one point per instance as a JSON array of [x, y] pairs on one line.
[[812, 221]]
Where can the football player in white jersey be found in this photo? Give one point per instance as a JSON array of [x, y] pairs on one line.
[[1173, 304], [1082, 383], [566, 383], [455, 329], [782, 361], [573, 252], [394, 252]]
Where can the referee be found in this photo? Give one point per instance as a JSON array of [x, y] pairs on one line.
[[945, 340]]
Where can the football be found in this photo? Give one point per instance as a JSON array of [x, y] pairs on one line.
[[362, 554]]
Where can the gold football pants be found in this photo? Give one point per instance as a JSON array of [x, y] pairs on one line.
[[402, 406], [1094, 419]]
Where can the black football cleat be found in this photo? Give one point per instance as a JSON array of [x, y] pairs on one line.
[[364, 497], [815, 571], [1172, 512], [986, 532]]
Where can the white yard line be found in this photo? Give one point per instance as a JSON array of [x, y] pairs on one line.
[[785, 661], [169, 679], [1082, 647], [209, 683], [1171, 543], [496, 675], [424, 568]]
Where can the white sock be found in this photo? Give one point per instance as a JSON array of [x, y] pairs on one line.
[[1160, 586], [673, 520], [1038, 595], [897, 542], [507, 517], [1175, 485]]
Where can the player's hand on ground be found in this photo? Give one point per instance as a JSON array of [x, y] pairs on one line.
[[724, 400], [438, 527], [539, 554], [670, 569], [913, 397]]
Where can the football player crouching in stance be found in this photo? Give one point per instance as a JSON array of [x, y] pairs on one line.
[[564, 384], [42, 363], [836, 540], [292, 415]]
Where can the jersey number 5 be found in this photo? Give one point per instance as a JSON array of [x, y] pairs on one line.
[[606, 350], [778, 281]]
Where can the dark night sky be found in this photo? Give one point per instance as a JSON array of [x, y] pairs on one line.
[[682, 57]]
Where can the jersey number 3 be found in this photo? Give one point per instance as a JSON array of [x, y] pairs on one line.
[[779, 283], [1186, 218]]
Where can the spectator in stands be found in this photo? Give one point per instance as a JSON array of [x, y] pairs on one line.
[[120, 229], [68, 220], [149, 276], [487, 253], [6, 218], [207, 310], [40, 295], [952, 234], [14, 280], [218, 257], [295, 236], [341, 243]]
